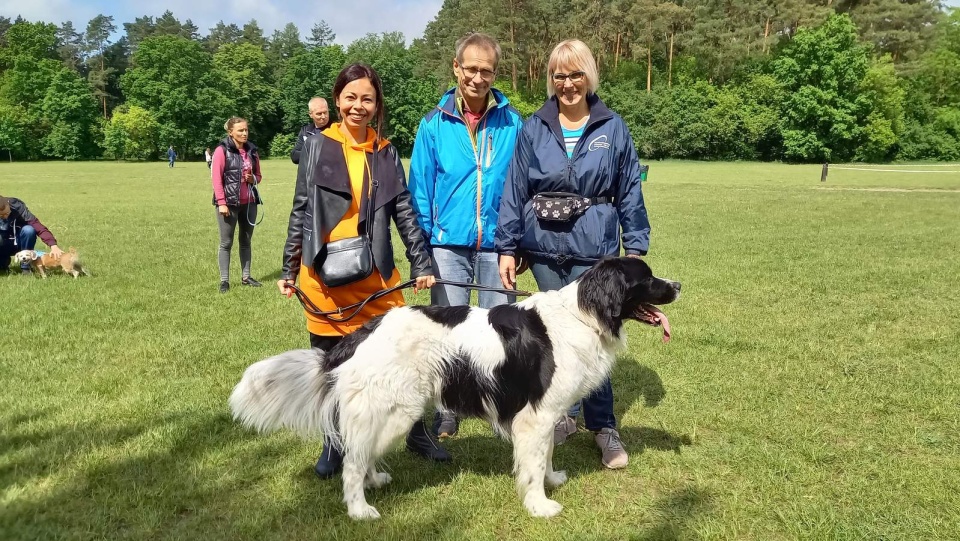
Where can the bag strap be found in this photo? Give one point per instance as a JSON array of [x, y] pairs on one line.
[[372, 200]]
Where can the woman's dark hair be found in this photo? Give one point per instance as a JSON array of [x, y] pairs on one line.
[[362, 71]]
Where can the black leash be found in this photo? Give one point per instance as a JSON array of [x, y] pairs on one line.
[[356, 307]]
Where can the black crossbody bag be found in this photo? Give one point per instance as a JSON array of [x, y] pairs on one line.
[[350, 260]]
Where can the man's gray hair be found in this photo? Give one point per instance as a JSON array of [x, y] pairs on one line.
[[478, 39]]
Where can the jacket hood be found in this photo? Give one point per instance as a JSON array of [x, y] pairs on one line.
[[333, 132]]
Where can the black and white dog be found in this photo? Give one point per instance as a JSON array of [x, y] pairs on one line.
[[518, 366]]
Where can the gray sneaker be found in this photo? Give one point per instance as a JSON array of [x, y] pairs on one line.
[[614, 455], [446, 425], [566, 426]]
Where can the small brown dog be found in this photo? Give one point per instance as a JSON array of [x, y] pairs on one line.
[[69, 262]]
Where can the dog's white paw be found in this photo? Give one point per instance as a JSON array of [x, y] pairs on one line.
[[377, 480], [543, 507], [555, 479], [363, 512]]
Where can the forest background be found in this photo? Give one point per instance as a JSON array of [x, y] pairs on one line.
[[788, 80]]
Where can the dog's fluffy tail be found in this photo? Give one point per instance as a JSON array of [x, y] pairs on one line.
[[290, 390]]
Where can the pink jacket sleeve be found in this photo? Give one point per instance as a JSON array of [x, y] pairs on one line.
[[219, 160]]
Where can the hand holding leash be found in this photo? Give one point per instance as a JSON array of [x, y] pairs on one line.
[[424, 282], [284, 287]]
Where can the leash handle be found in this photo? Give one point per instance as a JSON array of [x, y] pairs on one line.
[[338, 315]]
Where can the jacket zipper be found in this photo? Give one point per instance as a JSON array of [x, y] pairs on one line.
[[478, 151]]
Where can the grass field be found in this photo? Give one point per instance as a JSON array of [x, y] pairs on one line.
[[811, 390]]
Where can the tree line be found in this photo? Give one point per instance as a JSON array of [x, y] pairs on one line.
[[793, 80]]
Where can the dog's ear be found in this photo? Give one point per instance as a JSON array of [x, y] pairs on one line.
[[602, 292]]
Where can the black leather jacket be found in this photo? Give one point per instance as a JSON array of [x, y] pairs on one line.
[[323, 196]]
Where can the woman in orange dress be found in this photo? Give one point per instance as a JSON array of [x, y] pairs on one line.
[[335, 167]]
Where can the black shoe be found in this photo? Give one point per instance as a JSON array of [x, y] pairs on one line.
[[421, 442], [250, 282], [224, 286], [330, 461]]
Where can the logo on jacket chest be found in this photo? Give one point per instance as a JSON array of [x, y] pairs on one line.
[[599, 142]]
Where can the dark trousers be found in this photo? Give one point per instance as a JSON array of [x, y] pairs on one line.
[[324, 343]]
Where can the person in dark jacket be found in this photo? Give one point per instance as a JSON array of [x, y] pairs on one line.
[[171, 155], [320, 115], [19, 230], [574, 144], [336, 165], [235, 172]]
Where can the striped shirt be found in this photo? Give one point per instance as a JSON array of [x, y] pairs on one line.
[[570, 137]]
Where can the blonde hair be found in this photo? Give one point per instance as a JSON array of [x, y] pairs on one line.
[[576, 53], [233, 121]]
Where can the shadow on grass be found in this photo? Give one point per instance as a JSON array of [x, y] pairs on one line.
[[198, 475], [182, 476]]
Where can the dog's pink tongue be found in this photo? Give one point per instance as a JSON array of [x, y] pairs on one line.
[[664, 322]]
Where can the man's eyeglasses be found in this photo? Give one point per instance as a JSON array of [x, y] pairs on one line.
[[470, 72], [575, 77]]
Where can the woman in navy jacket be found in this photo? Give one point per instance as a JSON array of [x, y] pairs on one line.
[[574, 144]]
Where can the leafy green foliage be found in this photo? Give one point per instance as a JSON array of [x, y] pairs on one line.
[[282, 144], [306, 75], [173, 78], [132, 132], [821, 71], [70, 108], [703, 79]]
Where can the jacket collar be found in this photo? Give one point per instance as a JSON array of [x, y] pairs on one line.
[[232, 147], [448, 102], [549, 114]]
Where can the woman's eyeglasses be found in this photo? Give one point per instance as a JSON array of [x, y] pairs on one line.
[[575, 77]]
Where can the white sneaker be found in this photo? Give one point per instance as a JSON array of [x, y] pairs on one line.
[[566, 426]]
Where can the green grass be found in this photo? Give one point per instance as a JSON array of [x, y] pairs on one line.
[[811, 390]]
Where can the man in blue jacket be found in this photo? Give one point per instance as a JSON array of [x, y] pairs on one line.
[[457, 172]]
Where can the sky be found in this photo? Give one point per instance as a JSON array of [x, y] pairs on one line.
[[348, 19]]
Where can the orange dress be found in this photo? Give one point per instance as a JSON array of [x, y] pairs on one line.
[[330, 298]]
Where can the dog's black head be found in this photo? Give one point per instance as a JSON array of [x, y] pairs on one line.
[[619, 288]]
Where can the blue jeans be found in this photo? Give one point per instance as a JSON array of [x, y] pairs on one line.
[[26, 239], [598, 405], [468, 266]]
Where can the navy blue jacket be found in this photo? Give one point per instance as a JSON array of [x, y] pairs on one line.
[[604, 164]]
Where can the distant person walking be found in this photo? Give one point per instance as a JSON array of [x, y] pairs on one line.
[[209, 157], [320, 117], [171, 155]]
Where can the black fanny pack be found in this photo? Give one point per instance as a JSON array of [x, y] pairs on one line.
[[563, 206]]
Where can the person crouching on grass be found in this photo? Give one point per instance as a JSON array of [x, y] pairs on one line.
[[333, 168], [19, 230], [236, 168]]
